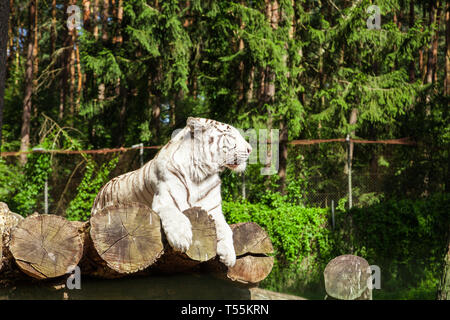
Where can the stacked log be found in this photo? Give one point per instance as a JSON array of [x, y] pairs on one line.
[[127, 239], [253, 255]]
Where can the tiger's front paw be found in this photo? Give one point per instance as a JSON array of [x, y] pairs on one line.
[[227, 255], [178, 231]]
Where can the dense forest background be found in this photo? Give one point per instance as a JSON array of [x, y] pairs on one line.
[[112, 73]]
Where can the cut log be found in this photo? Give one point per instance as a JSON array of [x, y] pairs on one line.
[[204, 238], [253, 249], [46, 246], [250, 238], [346, 278], [202, 249], [127, 237], [253, 255]]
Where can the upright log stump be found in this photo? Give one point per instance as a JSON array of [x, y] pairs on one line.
[[347, 278], [127, 237], [46, 246]]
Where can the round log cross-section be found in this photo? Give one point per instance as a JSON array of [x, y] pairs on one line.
[[253, 247], [127, 236], [254, 260], [347, 277], [46, 246], [204, 240]]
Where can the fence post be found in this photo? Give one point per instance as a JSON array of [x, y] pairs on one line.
[[332, 213], [46, 196], [141, 152], [243, 185], [349, 164]]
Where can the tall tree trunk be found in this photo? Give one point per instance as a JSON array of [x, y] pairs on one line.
[[240, 82], [447, 50], [251, 79], [10, 43], [4, 19], [431, 64], [87, 15], [94, 20], [436, 41], [72, 74], [284, 135], [53, 29], [422, 65], [79, 74], [282, 172], [36, 45], [119, 38], [105, 17], [27, 103], [35, 53], [444, 286], [412, 65]]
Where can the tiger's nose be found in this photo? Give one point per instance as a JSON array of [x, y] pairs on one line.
[[249, 149]]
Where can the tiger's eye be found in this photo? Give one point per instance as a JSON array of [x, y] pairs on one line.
[[211, 140]]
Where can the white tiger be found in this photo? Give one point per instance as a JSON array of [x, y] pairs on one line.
[[185, 174]]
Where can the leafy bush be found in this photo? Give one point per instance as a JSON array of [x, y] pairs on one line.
[[94, 178], [30, 191]]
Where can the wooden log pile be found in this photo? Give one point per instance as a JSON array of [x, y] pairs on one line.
[[124, 240]]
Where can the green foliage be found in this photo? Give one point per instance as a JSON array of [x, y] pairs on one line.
[[9, 180], [30, 195], [94, 178]]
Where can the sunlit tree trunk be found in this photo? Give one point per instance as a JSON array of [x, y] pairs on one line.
[[432, 52], [444, 286], [412, 65], [105, 17], [27, 102], [4, 19], [447, 50], [53, 29], [94, 20]]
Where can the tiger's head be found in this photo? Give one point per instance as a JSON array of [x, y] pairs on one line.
[[218, 145]]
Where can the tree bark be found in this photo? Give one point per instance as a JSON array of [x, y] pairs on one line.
[[53, 34], [4, 22], [432, 52], [35, 48], [105, 17], [444, 286], [27, 102], [282, 172], [447, 50], [412, 65], [95, 23]]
